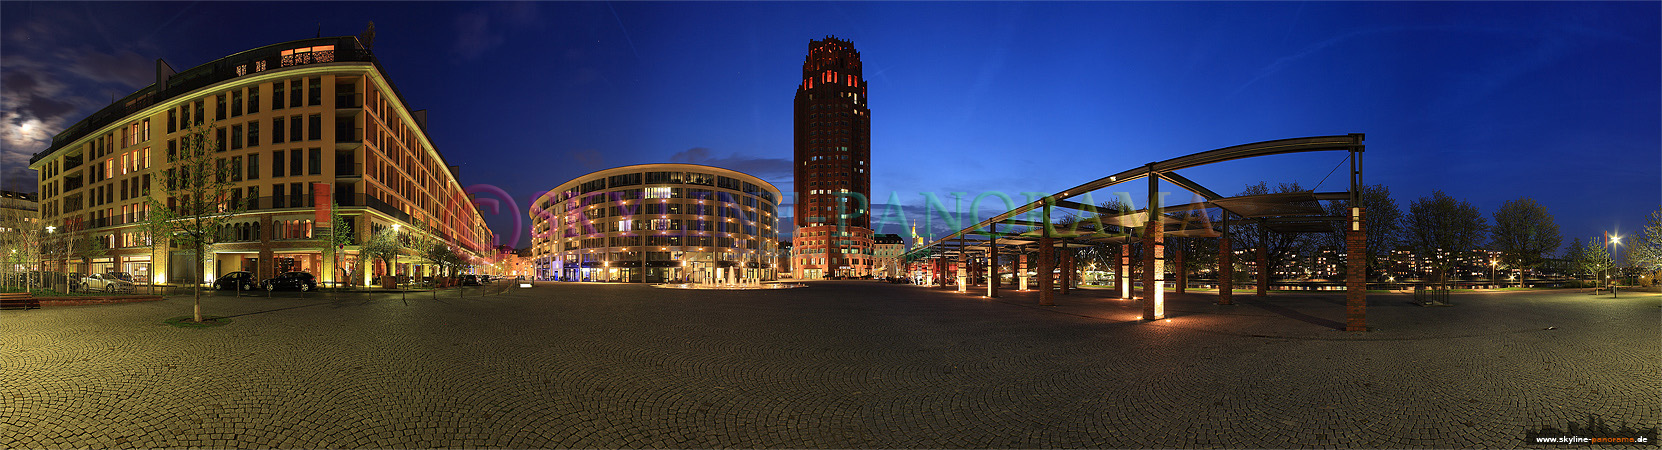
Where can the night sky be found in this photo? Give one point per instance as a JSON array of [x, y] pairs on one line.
[[1486, 101]]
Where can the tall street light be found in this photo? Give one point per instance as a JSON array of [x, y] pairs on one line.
[[1615, 241]]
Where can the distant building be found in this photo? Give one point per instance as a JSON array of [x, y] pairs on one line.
[[833, 164], [657, 223], [784, 257], [20, 230], [886, 252]]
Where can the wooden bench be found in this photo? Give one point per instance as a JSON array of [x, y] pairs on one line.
[[19, 300]]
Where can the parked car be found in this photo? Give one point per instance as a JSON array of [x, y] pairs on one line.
[[484, 278], [235, 280], [291, 280], [470, 280], [105, 282], [123, 276]]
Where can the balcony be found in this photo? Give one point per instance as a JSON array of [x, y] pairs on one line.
[[349, 100], [353, 170]]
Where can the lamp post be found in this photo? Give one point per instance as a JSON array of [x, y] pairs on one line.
[[1615, 241], [1492, 265]]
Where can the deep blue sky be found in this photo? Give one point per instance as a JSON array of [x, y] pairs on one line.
[[1486, 101]]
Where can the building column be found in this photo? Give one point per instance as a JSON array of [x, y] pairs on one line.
[[1179, 269], [1356, 273], [1046, 265], [1263, 260]]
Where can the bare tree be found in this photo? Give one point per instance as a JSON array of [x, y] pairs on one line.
[[199, 203], [1440, 229], [1646, 251], [1594, 258], [1280, 248], [1524, 233], [1382, 221]]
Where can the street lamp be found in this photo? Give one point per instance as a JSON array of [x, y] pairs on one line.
[[1615, 241]]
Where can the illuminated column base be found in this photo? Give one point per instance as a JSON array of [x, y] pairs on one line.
[[1154, 267]]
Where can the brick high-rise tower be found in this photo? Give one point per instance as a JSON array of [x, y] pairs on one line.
[[833, 164]]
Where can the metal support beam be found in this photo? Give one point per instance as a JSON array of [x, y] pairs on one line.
[[1226, 265], [992, 262], [1263, 260]]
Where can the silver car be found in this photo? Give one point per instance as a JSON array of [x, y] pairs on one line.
[[106, 282]]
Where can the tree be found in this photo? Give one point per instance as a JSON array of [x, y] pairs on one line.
[[1440, 229], [1646, 253], [201, 202], [1594, 258], [338, 236], [1572, 258], [383, 246], [1382, 221], [441, 255], [1524, 233], [1279, 247]]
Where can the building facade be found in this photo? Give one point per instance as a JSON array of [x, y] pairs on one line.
[[886, 254], [833, 164], [657, 223], [20, 231], [298, 129]]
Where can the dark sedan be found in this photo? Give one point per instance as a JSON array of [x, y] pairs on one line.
[[235, 280], [470, 280], [291, 280]]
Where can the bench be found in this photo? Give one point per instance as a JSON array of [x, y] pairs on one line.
[[19, 300]]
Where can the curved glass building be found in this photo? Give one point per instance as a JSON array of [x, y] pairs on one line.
[[657, 223]]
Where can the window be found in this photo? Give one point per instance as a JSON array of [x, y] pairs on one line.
[[253, 200], [201, 112], [294, 162], [144, 130], [314, 90], [253, 133], [219, 139], [277, 196], [236, 168], [144, 158], [172, 120], [277, 130], [295, 132], [236, 103], [253, 166], [314, 127], [294, 93], [314, 158], [172, 150], [219, 107], [276, 95], [277, 164], [253, 99], [297, 196], [236, 137]]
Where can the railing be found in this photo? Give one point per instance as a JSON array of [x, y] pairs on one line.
[[348, 100], [343, 134], [349, 170]]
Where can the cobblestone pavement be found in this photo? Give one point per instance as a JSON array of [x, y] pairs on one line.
[[836, 364]]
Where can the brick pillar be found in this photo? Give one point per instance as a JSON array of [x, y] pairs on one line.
[[1226, 271], [1154, 295], [1046, 265], [992, 270], [1021, 269], [1122, 270], [1066, 277], [1180, 270], [940, 272], [1356, 272]]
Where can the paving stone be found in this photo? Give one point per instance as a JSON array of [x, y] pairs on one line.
[[837, 364]]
